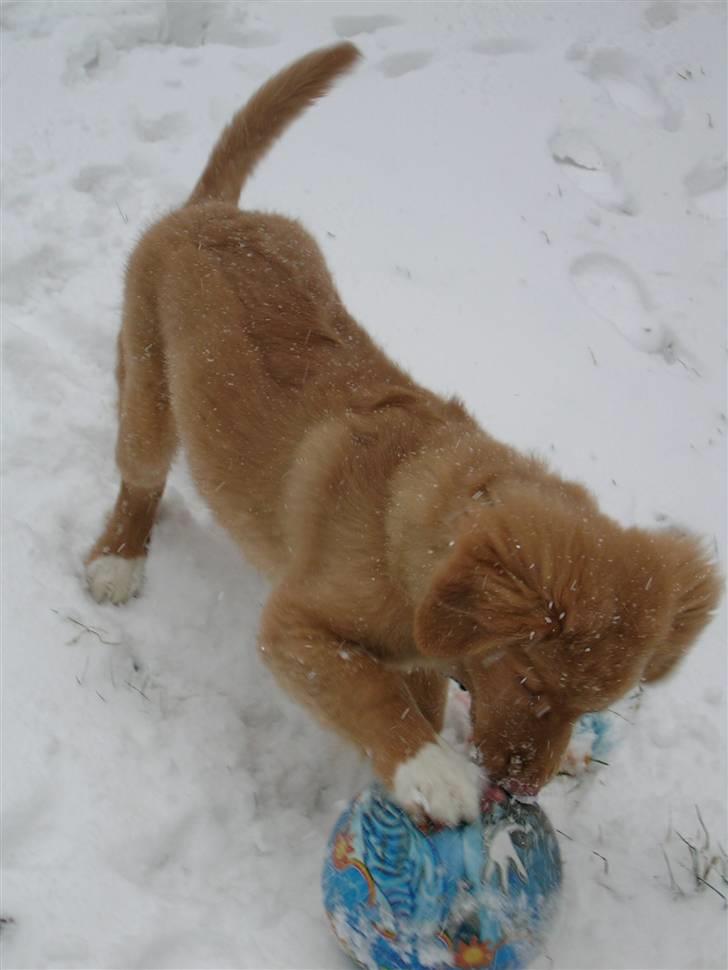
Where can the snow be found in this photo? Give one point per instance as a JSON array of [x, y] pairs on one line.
[[525, 203]]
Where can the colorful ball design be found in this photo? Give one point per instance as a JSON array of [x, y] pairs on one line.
[[405, 897]]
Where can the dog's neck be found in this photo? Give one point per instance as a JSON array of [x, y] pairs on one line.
[[430, 498]]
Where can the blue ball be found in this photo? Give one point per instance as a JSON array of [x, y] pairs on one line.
[[406, 897]]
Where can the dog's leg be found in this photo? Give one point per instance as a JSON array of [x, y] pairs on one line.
[[429, 690], [145, 447], [115, 565], [373, 707]]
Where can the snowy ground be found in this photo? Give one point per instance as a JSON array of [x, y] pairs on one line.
[[525, 203]]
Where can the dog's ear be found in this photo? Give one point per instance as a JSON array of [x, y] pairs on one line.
[[516, 575], [475, 605], [694, 588]]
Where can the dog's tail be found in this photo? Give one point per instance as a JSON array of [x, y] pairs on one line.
[[264, 119]]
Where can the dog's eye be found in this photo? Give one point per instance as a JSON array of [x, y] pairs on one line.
[[541, 706], [531, 684]]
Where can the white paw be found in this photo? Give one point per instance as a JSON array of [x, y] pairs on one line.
[[439, 783], [114, 578]]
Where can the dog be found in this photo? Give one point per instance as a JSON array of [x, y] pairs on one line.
[[404, 544]]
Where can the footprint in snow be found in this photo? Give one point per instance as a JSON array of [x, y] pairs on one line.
[[623, 79], [395, 65], [617, 295], [706, 183], [351, 26], [592, 170]]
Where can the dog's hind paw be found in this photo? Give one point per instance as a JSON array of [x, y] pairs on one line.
[[439, 783], [114, 578]]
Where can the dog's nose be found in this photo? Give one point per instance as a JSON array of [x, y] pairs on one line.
[[492, 795]]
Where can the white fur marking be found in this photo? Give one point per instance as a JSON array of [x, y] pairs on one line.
[[501, 853], [440, 783], [114, 578]]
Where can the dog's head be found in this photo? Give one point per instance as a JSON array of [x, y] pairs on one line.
[[545, 609]]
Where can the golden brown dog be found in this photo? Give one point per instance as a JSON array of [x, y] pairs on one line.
[[405, 545]]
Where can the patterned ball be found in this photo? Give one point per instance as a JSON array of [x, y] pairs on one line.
[[406, 897]]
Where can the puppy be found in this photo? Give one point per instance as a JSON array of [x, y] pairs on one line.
[[404, 544]]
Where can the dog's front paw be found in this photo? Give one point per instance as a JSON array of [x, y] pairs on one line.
[[114, 578], [439, 783]]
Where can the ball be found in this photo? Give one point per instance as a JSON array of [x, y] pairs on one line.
[[404, 896]]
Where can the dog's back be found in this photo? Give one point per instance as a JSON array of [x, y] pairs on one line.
[[231, 315]]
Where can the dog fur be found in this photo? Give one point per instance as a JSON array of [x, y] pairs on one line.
[[404, 544]]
